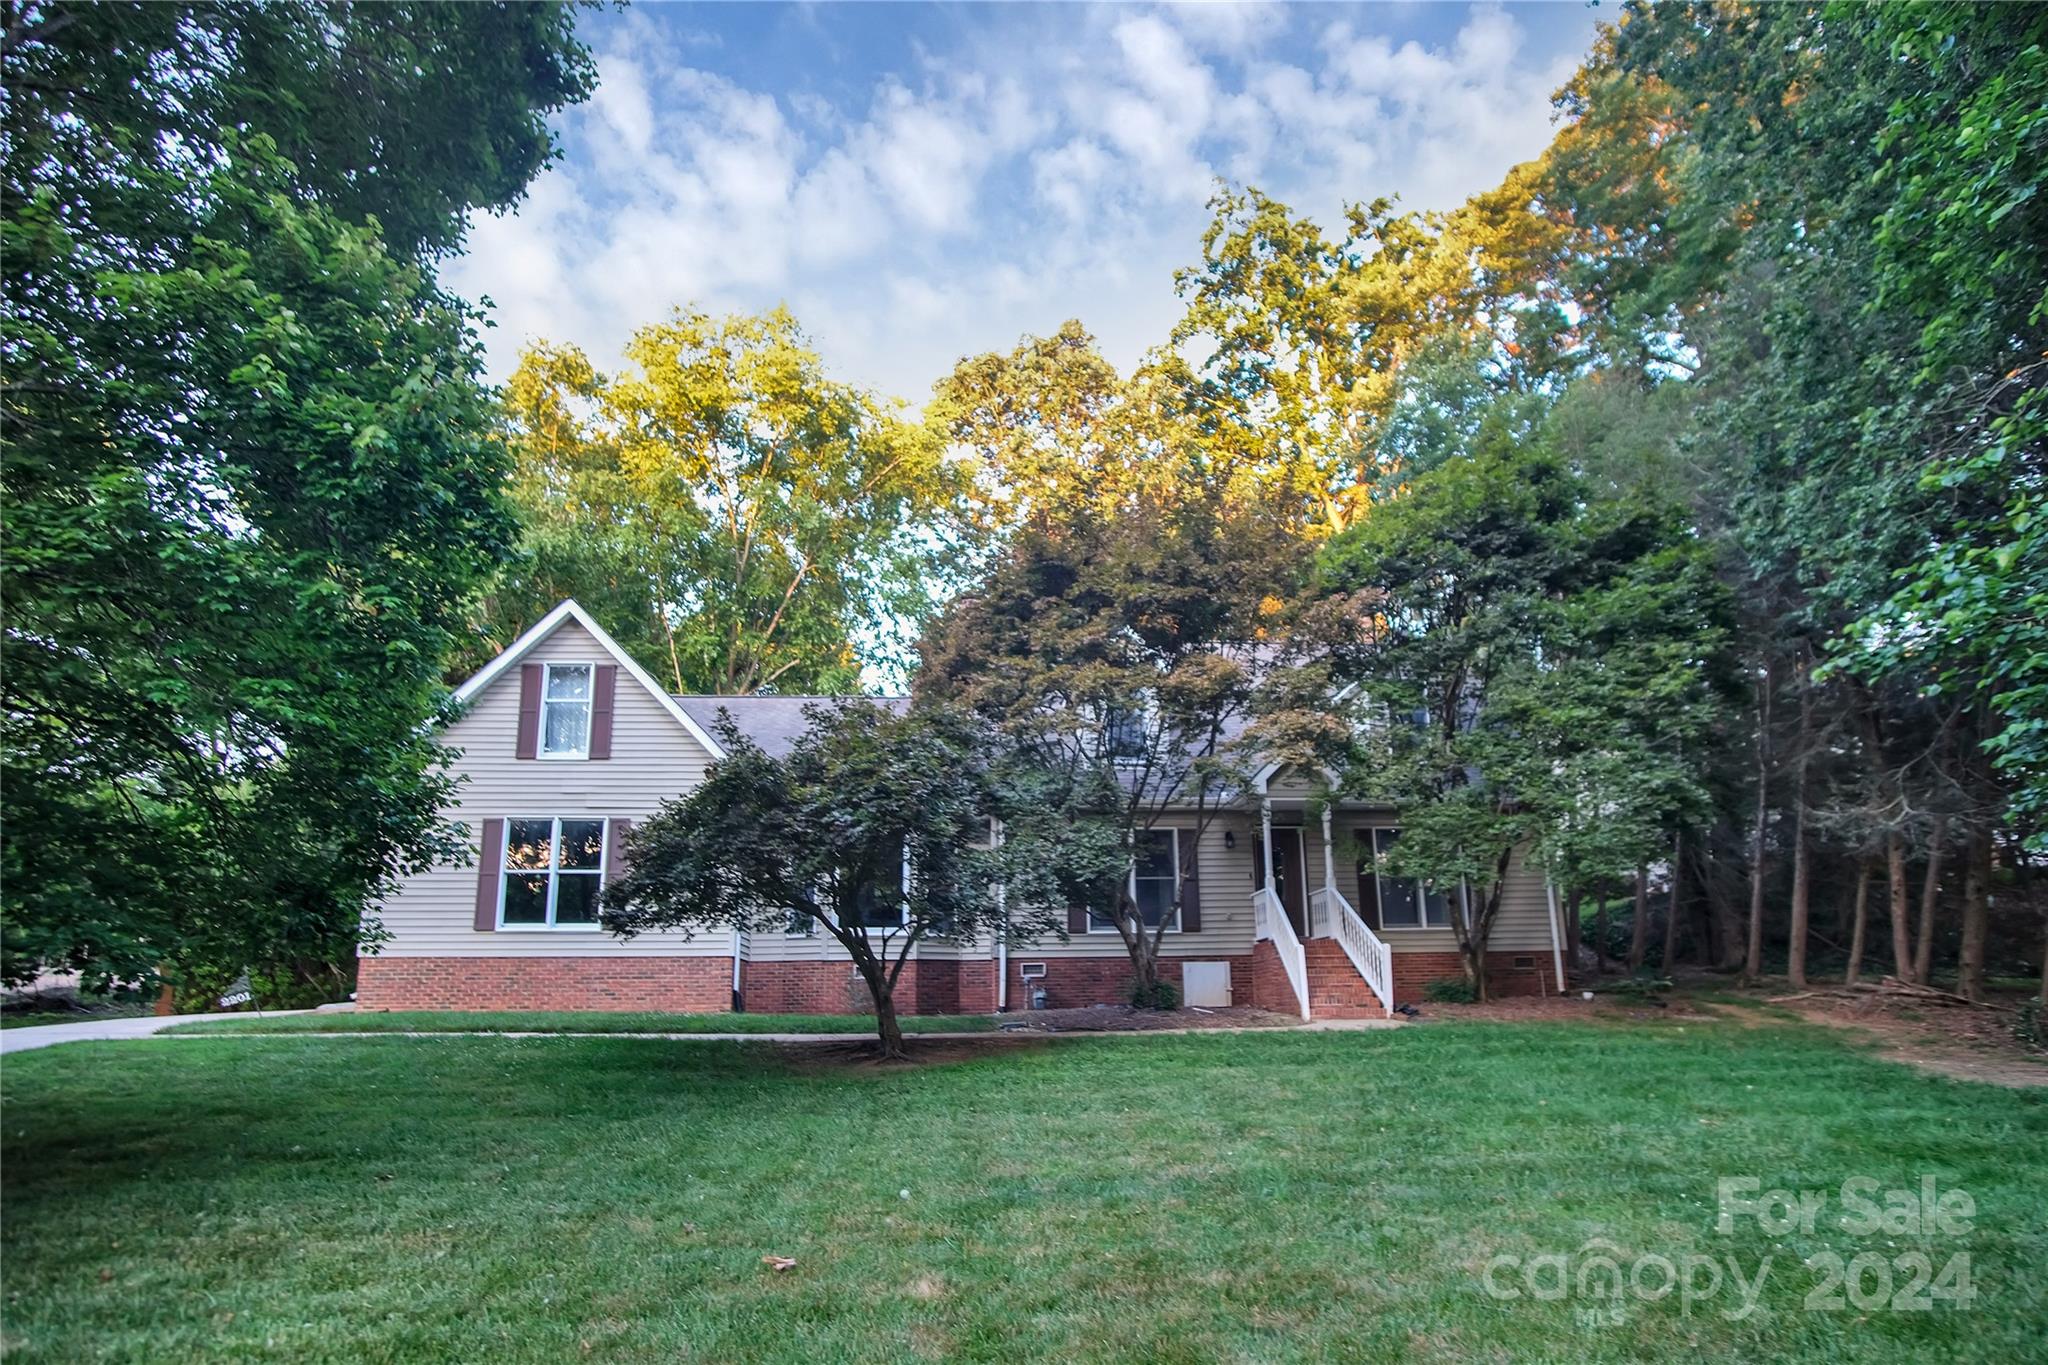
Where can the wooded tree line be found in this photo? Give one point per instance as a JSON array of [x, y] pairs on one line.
[[1673, 505]]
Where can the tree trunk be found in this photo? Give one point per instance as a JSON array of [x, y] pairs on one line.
[[1722, 931], [1600, 937], [1802, 857], [1639, 935], [887, 1030], [1671, 909], [1930, 892], [1753, 951], [1976, 914], [1859, 927], [1753, 955], [1901, 908]]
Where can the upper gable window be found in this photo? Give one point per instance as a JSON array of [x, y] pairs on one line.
[[565, 711], [1123, 734]]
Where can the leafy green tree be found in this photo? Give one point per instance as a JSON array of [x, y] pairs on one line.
[[1539, 660], [875, 829], [762, 526], [245, 458], [1050, 424], [1144, 661], [1304, 337]]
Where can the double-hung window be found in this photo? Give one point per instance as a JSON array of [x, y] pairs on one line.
[[553, 871], [881, 900], [565, 711], [1402, 902], [1123, 734], [1154, 882]]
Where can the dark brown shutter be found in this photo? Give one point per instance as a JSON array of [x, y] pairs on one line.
[[604, 685], [490, 866], [615, 846], [1191, 887], [1077, 919], [529, 711]]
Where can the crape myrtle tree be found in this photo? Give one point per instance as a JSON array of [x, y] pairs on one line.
[[876, 828], [247, 460], [1540, 663], [1136, 652]]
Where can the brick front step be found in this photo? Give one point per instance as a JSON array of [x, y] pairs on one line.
[[1335, 989]]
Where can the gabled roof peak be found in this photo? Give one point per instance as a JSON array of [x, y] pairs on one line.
[[569, 610]]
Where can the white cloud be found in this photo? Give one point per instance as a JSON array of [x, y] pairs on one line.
[[1036, 164]]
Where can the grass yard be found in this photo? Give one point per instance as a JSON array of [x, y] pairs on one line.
[[586, 1021], [1243, 1197]]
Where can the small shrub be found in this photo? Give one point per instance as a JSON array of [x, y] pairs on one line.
[[1450, 990], [1162, 995]]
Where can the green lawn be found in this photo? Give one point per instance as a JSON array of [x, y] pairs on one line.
[[568, 1021], [1246, 1197]]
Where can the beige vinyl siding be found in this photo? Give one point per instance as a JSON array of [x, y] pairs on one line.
[[1226, 878], [1523, 925], [653, 759]]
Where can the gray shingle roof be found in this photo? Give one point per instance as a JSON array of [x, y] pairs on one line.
[[771, 722]]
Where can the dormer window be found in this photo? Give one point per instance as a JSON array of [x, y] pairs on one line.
[[565, 711], [1123, 734]]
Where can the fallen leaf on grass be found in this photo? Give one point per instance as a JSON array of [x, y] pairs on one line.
[[780, 1263]]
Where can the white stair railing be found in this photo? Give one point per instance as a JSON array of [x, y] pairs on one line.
[[1368, 953], [1270, 919]]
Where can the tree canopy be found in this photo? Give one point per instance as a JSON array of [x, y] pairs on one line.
[[246, 460], [751, 523]]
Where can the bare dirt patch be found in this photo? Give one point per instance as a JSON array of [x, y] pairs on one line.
[[1949, 1039], [1968, 1043]]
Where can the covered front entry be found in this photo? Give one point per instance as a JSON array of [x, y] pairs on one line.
[[1289, 876]]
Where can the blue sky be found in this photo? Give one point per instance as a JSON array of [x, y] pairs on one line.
[[922, 182]]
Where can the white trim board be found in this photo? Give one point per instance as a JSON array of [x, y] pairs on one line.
[[541, 629]]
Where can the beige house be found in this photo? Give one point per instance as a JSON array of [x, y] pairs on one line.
[[565, 741]]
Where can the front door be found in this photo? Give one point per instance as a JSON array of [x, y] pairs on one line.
[[1287, 873]]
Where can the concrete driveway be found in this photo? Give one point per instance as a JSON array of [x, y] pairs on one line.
[[102, 1030]]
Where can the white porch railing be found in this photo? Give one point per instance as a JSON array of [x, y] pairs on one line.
[[1270, 919], [1334, 918]]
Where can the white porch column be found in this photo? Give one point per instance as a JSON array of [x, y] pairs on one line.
[[1266, 842], [1329, 877]]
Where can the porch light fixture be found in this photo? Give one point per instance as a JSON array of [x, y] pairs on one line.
[[1230, 838]]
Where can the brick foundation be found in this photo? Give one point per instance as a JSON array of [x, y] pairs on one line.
[[832, 986], [1414, 971], [694, 985], [1271, 990], [1078, 982]]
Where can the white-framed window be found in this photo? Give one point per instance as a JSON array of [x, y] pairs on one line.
[[565, 711], [1124, 738], [882, 900], [553, 869], [1401, 902], [1154, 884]]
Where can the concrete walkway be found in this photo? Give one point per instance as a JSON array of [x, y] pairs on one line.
[[104, 1030]]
